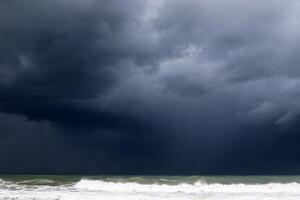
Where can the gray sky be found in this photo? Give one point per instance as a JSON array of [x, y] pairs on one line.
[[140, 86]]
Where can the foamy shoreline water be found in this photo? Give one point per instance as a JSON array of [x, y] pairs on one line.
[[133, 188]]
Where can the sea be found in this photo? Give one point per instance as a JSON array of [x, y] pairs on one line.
[[42, 187]]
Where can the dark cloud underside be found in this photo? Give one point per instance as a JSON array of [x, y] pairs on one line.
[[145, 86]]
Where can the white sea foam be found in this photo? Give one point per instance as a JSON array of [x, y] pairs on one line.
[[99, 189], [198, 187]]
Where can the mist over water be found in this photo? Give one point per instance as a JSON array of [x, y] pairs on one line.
[[158, 187]]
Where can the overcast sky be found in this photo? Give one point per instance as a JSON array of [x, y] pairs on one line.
[[150, 86]]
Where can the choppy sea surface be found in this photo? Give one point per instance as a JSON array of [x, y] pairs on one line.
[[27, 187]]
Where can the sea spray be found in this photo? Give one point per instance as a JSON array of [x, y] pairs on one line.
[[150, 188]]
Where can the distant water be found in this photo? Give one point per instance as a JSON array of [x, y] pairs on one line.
[[150, 187]]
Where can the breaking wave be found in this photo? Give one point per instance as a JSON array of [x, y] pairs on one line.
[[198, 187], [104, 189]]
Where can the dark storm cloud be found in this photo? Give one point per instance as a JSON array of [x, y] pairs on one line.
[[234, 41], [42, 148], [152, 86], [54, 53]]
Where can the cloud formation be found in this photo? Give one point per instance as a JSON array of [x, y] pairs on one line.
[[182, 85]]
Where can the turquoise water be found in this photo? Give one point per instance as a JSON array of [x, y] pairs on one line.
[[149, 187]]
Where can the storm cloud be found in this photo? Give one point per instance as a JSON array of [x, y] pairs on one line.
[[164, 86]]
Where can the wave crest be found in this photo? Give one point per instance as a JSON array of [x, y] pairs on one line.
[[198, 187]]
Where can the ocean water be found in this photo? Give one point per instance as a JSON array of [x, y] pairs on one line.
[[150, 187]]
